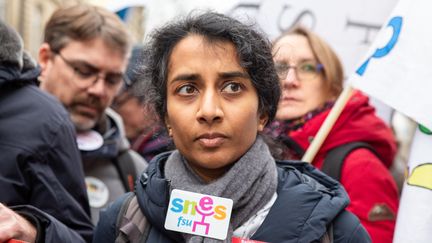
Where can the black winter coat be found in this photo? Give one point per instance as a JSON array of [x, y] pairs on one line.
[[41, 175], [308, 201]]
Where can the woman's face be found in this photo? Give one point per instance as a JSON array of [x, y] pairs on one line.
[[137, 118], [212, 106], [303, 88]]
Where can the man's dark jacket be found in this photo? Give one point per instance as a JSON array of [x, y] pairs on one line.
[[41, 175], [308, 202]]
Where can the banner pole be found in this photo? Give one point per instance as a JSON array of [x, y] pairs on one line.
[[328, 124]]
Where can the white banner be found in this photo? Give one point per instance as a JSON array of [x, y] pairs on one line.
[[397, 70], [414, 221], [349, 26]]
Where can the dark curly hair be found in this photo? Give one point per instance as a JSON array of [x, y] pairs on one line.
[[253, 50]]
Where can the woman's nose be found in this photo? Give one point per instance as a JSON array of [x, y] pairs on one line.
[[210, 109], [291, 78]]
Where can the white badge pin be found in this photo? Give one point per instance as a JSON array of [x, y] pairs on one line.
[[89, 140], [97, 192]]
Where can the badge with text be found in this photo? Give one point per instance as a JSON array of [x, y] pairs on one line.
[[199, 214]]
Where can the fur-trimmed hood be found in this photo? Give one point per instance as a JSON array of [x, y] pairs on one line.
[[16, 65]]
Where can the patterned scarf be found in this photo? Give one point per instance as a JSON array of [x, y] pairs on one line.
[[281, 128], [250, 183]]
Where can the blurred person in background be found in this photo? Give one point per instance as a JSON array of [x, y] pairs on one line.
[[43, 196], [144, 130], [311, 78], [83, 60]]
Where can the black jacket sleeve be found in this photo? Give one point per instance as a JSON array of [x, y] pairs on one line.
[[348, 229], [41, 172], [49, 229], [58, 195]]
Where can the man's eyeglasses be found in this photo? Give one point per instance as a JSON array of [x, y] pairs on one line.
[[88, 75], [305, 70]]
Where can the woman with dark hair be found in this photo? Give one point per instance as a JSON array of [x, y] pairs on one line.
[[311, 78], [215, 88]]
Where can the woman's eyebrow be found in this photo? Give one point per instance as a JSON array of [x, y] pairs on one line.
[[234, 74], [300, 60], [307, 59], [223, 75], [185, 77]]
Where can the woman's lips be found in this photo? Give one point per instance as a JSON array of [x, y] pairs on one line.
[[211, 140], [288, 100]]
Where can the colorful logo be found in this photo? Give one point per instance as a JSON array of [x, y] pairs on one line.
[[198, 214]]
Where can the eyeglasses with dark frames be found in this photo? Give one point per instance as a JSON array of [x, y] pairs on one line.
[[88, 75]]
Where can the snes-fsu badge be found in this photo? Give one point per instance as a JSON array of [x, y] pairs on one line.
[[198, 214]]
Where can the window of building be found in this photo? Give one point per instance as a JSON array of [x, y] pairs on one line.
[[2, 9]]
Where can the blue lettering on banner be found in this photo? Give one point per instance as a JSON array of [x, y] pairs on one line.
[[396, 24]]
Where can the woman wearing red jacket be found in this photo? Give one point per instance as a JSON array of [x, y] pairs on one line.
[[311, 77]]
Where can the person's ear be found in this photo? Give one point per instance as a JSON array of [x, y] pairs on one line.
[[263, 119], [168, 126], [44, 57]]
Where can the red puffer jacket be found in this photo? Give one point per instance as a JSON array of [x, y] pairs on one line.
[[367, 179]]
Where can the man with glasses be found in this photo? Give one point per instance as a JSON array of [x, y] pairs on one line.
[[83, 60]]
